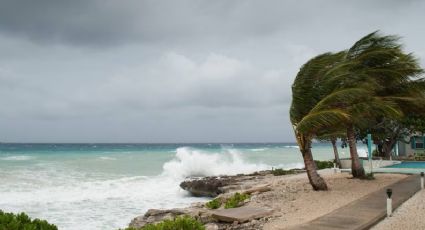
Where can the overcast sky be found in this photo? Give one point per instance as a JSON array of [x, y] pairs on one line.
[[172, 71]]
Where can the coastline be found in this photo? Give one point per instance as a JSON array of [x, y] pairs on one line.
[[290, 198]]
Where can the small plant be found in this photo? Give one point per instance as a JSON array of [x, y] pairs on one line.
[[236, 200], [369, 176], [324, 164], [280, 172], [214, 204], [10, 221], [179, 223]]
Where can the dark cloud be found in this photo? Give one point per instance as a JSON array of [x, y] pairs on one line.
[[105, 23], [107, 70]]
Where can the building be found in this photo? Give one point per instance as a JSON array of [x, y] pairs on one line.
[[414, 147]]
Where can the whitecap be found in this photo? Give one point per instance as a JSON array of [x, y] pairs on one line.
[[288, 166], [108, 158], [17, 158], [259, 149], [191, 162]]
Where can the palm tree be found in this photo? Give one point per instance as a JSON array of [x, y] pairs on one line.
[[307, 91], [380, 62], [358, 89]]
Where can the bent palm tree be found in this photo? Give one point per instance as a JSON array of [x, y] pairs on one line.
[[307, 90], [360, 89]]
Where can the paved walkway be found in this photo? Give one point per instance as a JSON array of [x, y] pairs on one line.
[[367, 211]]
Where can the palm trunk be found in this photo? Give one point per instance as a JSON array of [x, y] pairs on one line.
[[337, 161], [389, 143], [316, 181], [387, 148], [356, 167]]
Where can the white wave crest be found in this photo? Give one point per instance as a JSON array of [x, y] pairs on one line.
[[259, 150], [108, 158], [17, 158], [191, 162], [291, 166], [291, 146]]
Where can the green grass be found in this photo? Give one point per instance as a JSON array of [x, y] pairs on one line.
[[214, 204], [21, 221], [324, 164], [280, 172], [179, 223], [236, 200], [369, 176]]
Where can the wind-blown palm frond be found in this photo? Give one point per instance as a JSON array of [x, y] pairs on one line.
[[341, 98], [312, 122]]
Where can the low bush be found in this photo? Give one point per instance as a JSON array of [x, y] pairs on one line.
[[21, 221], [236, 200], [179, 223], [369, 176], [214, 204], [280, 172], [324, 164]]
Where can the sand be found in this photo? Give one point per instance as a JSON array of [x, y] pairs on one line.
[[410, 215], [295, 202]]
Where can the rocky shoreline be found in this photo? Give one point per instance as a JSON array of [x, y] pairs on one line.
[[275, 200], [221, 187]]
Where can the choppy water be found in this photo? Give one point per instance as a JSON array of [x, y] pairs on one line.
[[103, 186]]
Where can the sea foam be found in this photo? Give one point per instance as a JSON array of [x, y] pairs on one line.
[[192, 162], [17, 158]]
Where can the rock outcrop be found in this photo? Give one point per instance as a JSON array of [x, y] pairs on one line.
[[224, 187], [208, 186], [214, 186]]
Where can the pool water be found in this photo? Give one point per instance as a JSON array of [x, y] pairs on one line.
[[409, 164]]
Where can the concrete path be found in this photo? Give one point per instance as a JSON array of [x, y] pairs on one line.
[[367, 211], [241, 214]]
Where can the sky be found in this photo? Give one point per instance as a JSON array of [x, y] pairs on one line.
[[173, 71]]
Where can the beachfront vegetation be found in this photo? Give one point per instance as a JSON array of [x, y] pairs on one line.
[[386, 133], [281, 172], [11, 221], [179, 223], [353, 90], [232, 202], [236, 200], [214, 204], [324, 164], [369, 176]]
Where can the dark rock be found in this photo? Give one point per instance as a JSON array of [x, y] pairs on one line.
[[208, 186]]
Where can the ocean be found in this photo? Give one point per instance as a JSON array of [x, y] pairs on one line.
[[104, 186]]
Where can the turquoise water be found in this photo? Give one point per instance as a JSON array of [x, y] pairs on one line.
[[413, 165], [104, 186]]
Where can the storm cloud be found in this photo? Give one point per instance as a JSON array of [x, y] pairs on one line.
[[172, 71]]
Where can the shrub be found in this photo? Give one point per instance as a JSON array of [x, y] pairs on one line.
[[179, 223], [10, 221], [324, 164], [280, 172], [214, 204], [369, 176], [235, 200]]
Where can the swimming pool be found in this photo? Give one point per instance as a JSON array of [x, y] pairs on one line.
[[409, 164]]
